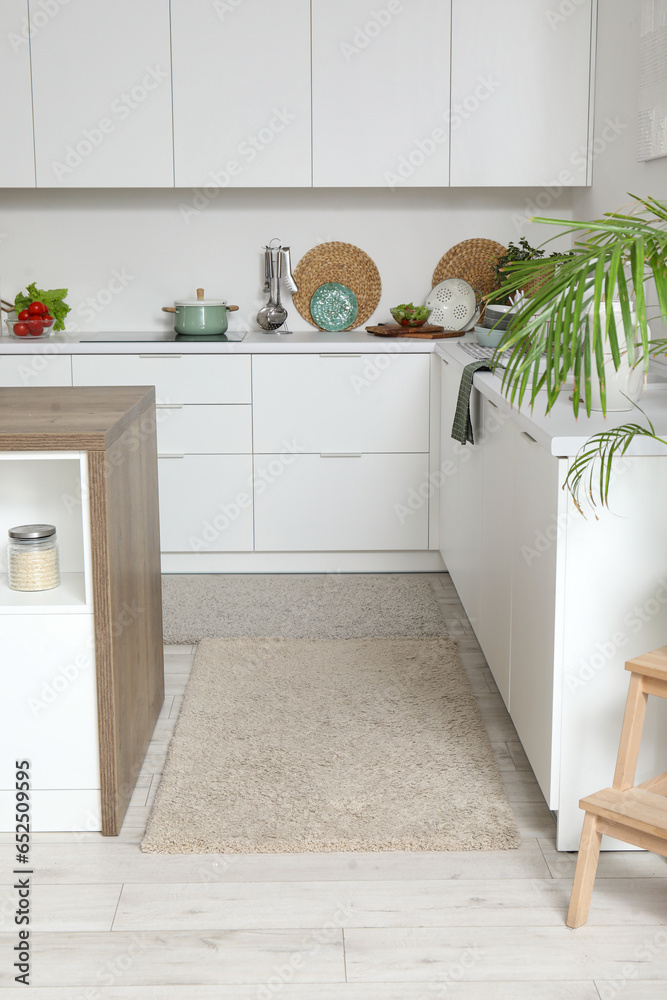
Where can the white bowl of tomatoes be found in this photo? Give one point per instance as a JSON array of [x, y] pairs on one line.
[[34, 321]]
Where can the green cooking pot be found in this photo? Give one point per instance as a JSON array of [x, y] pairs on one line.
[[200, 316]]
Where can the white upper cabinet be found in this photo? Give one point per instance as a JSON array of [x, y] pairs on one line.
[[242, 112], [521, 75], [380, 93], [102, 94], [17, 153]]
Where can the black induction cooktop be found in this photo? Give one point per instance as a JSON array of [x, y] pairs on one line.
[[160, 337]]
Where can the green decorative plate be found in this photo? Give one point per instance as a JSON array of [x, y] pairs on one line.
[[333, 306]]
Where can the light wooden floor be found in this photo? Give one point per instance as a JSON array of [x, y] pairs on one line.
[[112, 924]]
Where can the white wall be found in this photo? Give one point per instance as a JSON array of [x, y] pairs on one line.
[[82, 239], [616, 171]]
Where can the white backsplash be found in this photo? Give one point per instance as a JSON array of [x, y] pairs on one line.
[[123, 254]]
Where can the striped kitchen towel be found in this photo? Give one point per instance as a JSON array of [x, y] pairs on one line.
[[462, 426]]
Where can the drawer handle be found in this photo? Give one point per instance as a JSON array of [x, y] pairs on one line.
[[171, 456], [444, 361], [165, 356], [528, 437], [494, 405], [168, 406], [338, 454], [340, 355]]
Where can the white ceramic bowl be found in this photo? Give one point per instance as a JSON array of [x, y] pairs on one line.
[[488, 338]]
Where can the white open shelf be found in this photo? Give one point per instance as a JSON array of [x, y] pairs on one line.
[[68, 598]]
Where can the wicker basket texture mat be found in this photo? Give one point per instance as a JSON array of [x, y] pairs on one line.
[[342, 263], [472, 260]]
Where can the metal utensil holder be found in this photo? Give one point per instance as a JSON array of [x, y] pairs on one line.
[[277, 268]]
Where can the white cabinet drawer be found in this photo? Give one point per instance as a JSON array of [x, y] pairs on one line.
[[178, 378], [206, 503], [342, 503], [365, 403], [204, 430], [17, 370]]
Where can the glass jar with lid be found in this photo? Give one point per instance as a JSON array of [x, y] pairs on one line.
[[32, 557]]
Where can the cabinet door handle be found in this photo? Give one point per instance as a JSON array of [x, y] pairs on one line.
[[340, 355], [170, 456], [165, 356], [528, 437], [168, 406], [338, 454], [444, 361], [494, 405]]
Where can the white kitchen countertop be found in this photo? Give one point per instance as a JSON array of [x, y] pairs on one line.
[[560, 432], [254, 342]]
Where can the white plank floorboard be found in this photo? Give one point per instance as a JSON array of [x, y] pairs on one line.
[[500, 953], [534, 902], [177, 957], [105, 861], [343, 991], [63, 907]]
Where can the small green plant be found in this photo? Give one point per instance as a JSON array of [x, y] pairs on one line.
[[522, 251]]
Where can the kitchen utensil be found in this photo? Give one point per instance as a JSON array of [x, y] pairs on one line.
[[267, 264], [429, 331], [333, 306], [277, 313], [200, 316], [342, 263], [472, 260], [290, 283], [453, 303], [498, 317], [487, 337]]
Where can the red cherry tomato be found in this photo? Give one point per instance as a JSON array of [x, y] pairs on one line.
[[24, 314], [35, 327], [21, 329], [37, 308], [47, 320]]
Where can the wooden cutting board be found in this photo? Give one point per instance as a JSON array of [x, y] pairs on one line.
[[426, 332]]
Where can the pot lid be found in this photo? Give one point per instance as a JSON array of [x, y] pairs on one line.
[[200, 300], [32, 532]]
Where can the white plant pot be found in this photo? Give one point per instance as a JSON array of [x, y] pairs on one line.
[[623, 385]]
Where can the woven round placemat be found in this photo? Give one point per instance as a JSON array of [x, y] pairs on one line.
[[342, 263], [472, 260]]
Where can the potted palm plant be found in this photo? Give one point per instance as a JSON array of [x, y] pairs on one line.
[[586, 303]]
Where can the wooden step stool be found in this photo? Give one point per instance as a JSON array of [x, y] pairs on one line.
[[636, 814]]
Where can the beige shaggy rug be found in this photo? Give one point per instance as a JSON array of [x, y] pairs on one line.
[[313, 606], [291, 745]]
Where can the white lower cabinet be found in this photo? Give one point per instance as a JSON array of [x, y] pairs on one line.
[[561, 601], [497, 544], [206, 503], [533, 619], [17, 370], [339, 502]]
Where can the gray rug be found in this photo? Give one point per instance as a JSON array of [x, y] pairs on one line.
[[287, 745], [326, 606]]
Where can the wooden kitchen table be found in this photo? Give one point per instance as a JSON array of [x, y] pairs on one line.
[[110, 557]]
